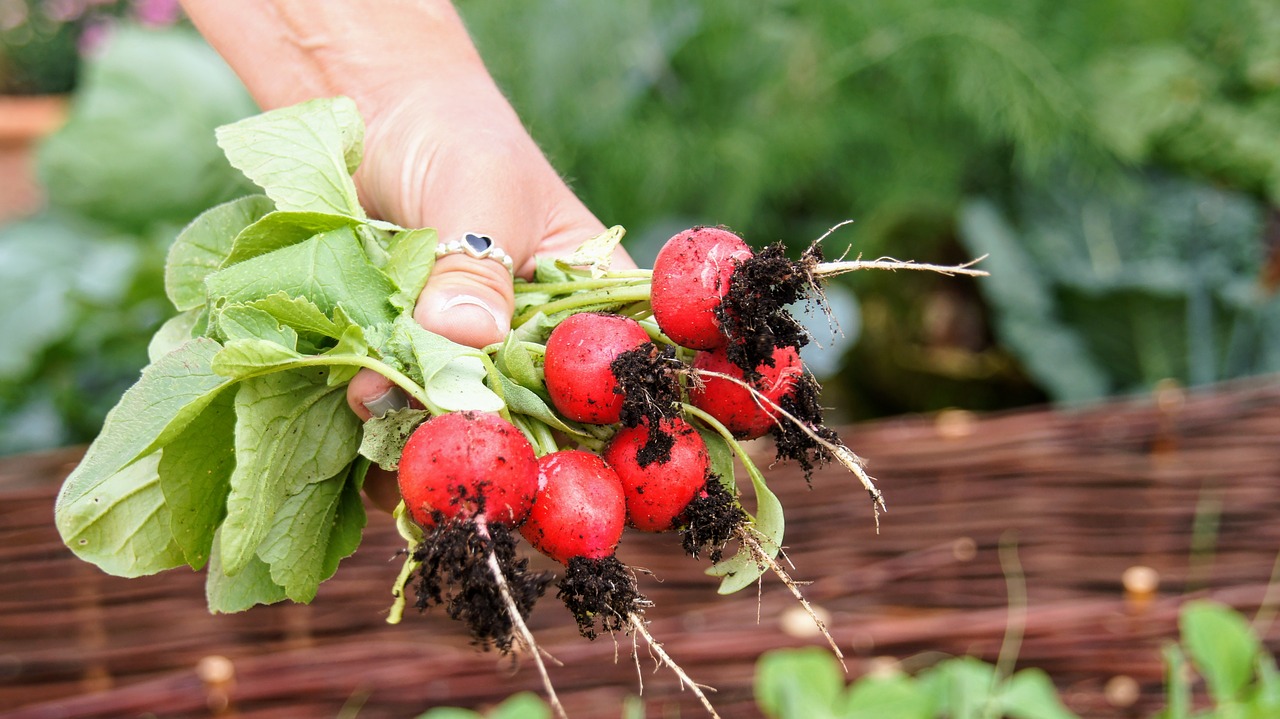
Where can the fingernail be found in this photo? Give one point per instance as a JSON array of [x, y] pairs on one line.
[[394, 398], [503, 324]]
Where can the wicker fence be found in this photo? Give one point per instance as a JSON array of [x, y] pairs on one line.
[[1185, 484]]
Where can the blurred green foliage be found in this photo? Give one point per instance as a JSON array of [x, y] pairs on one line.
[[1119, 158], [81, 284]]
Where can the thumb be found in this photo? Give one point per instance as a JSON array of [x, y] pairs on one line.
[[468, 300]]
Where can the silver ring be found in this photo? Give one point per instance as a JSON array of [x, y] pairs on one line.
[[477, 246]]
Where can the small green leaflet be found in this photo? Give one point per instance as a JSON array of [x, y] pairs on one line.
[[124, 526], [329, 269], [244, 322], [384, 437], [596, 253], [278, 230], [202, 247], [302, 314], [413, 255], [301, 156], [452, 374], [292, 429]]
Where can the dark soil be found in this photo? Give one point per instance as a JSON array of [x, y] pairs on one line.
[[455, 573], [648, 380], [754, 314], [794, 443], [711, 520], [600, 592]]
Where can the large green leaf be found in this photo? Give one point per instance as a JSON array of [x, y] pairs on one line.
[[329, 270], [302, 156], [123, 526], [798, 684], [292, 429], [280, 229], [1222, 646], [252, 585]]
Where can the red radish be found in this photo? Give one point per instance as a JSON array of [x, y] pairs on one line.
[[579, 510], [579, 353], [659, 492], [464, 464], [690, 278], [733, 404]]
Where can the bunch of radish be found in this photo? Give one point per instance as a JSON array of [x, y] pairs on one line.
[[645, 368]]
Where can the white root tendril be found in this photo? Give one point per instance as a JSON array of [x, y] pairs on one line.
[[654, 646], [762, 556], [832, 269], [521, 629], [842, 454]]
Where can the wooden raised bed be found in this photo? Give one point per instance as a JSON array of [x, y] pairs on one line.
[[1084, 494]]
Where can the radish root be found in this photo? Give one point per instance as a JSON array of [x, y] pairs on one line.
[[762, 556], [656, 647]]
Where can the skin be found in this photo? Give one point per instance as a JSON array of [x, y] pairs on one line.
[[443, 147]]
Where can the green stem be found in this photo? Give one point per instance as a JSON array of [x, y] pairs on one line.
[[561, 288], [397, 377], [723, 431], [617, 295]]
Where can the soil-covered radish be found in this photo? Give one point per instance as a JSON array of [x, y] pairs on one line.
[[691, 275], [467, 478], [579, 355], [676, 491], [461, 464], [732, 402]]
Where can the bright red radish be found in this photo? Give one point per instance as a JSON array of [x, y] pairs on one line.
[[690, 278], [733, 404], [658, 493], [579, 352], [462, 464], [579, 510]]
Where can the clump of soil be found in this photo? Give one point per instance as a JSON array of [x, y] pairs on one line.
[[753, 313], [455, 573], [600, 592], [711, 520], [649, 383], [791, 442]]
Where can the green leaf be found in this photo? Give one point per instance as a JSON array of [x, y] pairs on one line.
[[964, 686], [243, 358], [171, 393], [1222, 646], [312, 532], [175, 332], [720, 455], [195, 476], [291, 429], [384, 437], [515, 361], [522, 705], [452, 374], [302, 155], [203, 246], [351, 344], [450, 713], [299, 313], [252, 585], [897, 696], [798, 683], [329, 270], [459, 385], [244, 322], [278, 230], [521, 400], [1031, 694], [413, 255], [596, 253], [123, 524]]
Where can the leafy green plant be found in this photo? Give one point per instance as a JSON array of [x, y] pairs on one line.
[[1239, 674]]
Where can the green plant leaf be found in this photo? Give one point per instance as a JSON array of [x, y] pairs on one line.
[[123, 525], [1222, 647], [195, 477], [1031, 694], [299, 313], [176, 331], [244, 322], [252, 585], [313, 530], [203, 246], [459, 385], [413, 255], [279, 229], [521, 705], [521, 400], [302, 155], [798, 683], [515, 361], [896, 696], [171, 393], [246, 357], [383, 439], [964, 686], [351, 344], [720, 455], [449, 372], [292, 429], [450, 713], [329, 270]]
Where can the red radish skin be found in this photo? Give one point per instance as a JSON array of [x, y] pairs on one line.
[[579, 510], [458, 462], [731, 403], [579, 352], [690, 277], [658, 493]]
